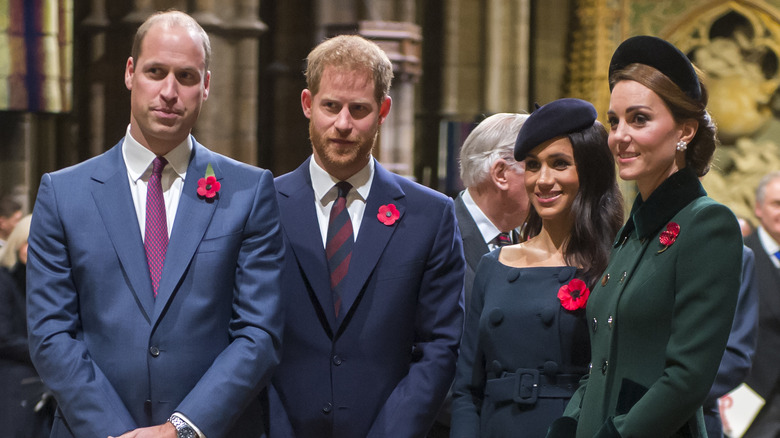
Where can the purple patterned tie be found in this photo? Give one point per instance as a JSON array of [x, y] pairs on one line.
[[338, 246], [156, 231]]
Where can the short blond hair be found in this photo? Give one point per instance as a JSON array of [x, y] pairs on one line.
[[351, 53]]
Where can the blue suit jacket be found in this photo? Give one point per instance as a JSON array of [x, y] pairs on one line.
[[115, 357], [384, 368]]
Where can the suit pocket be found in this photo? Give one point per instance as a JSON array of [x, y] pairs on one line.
[[630, 393], [218, 243]]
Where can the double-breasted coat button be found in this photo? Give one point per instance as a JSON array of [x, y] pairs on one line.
[[604, 367], [496, 316], [609, 322], [154, 351], [548, 315], [590, 367], [623, 277], [327, 408], [605, 280], [513, 275], [337, 360], [595, 324]]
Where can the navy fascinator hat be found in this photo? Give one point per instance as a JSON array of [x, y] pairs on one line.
[[555, 119], [661, 55]]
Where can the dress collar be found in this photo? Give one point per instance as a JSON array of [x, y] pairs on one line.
[[677, 191]]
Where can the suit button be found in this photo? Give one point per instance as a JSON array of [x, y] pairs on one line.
[[327, 408], [154, 351], [595, 324], [337, 360], [604, 367]]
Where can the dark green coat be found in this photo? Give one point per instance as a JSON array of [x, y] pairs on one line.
[[659, 318]]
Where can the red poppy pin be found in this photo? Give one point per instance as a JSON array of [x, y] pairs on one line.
[[668, 236], [208, 186], [574, 295], [388, 214]]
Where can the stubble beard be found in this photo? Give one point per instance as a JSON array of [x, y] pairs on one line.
[[330, 159]]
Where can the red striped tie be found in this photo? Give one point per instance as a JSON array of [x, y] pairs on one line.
[[156, 231], [338, 246]]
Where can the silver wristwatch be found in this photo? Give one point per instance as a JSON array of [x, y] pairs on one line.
[[183, 430]]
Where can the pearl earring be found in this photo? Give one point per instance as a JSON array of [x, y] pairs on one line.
[[682, 146]]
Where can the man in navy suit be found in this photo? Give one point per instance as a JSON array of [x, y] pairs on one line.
[[373, 322], [154, 269], [764, 377]]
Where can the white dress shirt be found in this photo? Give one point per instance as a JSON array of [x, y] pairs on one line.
[[325, 194], [138, 161]]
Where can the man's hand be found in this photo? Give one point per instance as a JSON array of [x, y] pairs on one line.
[[162, 431]]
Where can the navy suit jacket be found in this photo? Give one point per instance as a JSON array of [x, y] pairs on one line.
[[383, 369], [764, 377], [115, 357], [474, 246]]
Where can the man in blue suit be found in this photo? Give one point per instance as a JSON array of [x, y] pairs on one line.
[[374, 269], [154, 269]]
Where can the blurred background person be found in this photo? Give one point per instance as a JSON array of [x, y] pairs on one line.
[[662, 312], [491, 209], [21, 415], [764, 377], [525, 345], [10, 214]]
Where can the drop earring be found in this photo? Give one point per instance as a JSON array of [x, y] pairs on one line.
[[682, 146]]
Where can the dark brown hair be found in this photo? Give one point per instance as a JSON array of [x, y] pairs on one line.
[[702, 147], [597, 209]]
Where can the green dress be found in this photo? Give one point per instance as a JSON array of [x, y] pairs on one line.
[[659, 318]]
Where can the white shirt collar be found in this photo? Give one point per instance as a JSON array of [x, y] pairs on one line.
[[323, 183], [769, 244], [139, 159], [486, 228]]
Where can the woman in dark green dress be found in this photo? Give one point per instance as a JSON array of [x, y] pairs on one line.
[[525, 344], [661, 314]]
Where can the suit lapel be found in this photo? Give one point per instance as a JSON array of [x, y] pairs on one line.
[[768, 276], [192, 219], [299, 218], [111, 192], [474, 246], [373, 235]]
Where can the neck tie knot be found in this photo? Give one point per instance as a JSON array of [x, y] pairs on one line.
[[158, 165], [343, 188], [503, 239]]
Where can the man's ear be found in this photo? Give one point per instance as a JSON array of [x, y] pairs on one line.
[[306, 99], [384, 109], [129, 71], [498, 171]]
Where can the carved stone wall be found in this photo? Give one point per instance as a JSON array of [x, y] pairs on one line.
[[735, 42]]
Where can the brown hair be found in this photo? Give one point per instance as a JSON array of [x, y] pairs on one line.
[[702, 147], [351, 53], [169, 19]]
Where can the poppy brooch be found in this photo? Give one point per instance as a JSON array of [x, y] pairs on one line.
[[574, 295], [208, 186], [388, 214], [668, 236]]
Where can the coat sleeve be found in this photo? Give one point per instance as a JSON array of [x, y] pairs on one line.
[[411, 408], [469, 388], [706, 286], [741, 346], [84, 394], [241, 370]]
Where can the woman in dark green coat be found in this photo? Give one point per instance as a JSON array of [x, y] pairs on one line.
[[661, 313]]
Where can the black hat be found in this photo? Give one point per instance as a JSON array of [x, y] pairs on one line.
[[662, 56], [556, 119]]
